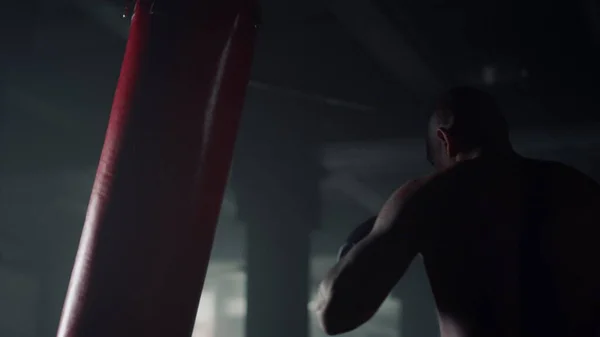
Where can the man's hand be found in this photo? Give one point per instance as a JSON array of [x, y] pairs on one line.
[[355, 287]]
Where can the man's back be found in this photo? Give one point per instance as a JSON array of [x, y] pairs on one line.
[[516, 242]]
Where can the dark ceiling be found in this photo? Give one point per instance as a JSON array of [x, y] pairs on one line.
[[359, 70], [369, 69]]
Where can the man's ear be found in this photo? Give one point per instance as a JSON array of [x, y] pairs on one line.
[[443, 135]]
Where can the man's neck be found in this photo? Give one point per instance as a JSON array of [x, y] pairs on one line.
[[489, 152]]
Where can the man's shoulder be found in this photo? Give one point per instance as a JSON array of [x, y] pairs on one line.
[[561, 174], [568, 183], [401, 204], [415, 193], [410, 187]]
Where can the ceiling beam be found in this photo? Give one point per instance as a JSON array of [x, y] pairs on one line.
[[385, 156], [108, 14], [358, 191], [387, 46]]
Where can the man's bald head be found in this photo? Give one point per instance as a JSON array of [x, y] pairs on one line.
[[465, 121]]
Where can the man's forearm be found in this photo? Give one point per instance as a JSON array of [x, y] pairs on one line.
[[337, 312], [329, 318]]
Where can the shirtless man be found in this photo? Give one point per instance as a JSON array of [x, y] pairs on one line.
[[510, 244]]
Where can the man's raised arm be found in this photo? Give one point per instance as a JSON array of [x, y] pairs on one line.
[[357, 285]]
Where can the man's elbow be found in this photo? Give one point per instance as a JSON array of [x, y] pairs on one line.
[[336, 323], [328, 324]]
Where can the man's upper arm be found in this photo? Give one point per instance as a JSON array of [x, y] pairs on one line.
[[395, 207], [362, 280], [577, 228]]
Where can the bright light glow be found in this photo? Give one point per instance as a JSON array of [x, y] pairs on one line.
[[205, 318], [489, 75], [312, 305], [236, 307]]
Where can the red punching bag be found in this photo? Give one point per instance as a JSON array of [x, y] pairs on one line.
[[151, 219]]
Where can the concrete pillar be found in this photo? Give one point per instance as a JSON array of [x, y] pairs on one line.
[[275, 178], [225, 324], [277, 289], [17, 27]]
